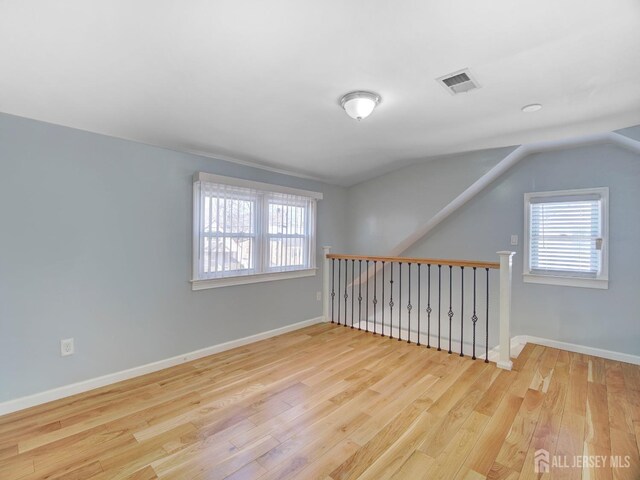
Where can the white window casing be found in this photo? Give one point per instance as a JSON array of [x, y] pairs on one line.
[[567, 238], [248, 232]]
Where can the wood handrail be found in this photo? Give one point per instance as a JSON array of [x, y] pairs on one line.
[[423, 261]]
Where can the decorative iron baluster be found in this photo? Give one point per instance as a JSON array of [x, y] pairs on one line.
[[474, 317], [367, 304], [353, 285], [428, 305], [333, 289], [399, 301], [419, 295], [461, 311], [359, 293], [391, 303], [486, 341], [439, 301], [339, 276], [450, 314], [375, 293], [382, 333], [346, 286], [409, 307]]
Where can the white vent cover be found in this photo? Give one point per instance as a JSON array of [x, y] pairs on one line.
[[458, 82]]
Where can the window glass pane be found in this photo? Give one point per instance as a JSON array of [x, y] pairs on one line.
[[286, 219], [286, 252], [228, 215], [225, 254]]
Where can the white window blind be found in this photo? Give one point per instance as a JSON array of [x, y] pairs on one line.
[[567, 234], [243, 229], [228, 230], [289, 232]]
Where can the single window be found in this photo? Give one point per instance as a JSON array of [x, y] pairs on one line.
[[245, 232], [566, 237]]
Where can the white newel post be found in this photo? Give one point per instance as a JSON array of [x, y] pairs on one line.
[[326, 277], [504, 360]]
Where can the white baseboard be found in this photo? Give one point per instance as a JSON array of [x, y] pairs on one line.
[[572, 347], [86, 385], [467, 347], [519, 341], [517, 344]]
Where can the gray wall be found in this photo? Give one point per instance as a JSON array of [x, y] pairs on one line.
[[391, 206], [378, 219], [95, 244]]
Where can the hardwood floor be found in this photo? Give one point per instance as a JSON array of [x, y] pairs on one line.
[[328, 402]]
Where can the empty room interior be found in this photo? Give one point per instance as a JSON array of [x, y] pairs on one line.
[[319, 240]]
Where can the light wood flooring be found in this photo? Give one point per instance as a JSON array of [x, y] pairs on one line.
[[329, 402]]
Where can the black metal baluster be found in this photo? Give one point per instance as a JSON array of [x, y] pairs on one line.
[[428, 305], [346, 286], [383, 305], [400, 301], [419, 295], [461, 311], [450, 314], [359, 293], [486, 342], [333, 289], [367, 305], [391, 303], [375, 293], [353, 285], [474, 317], [409, 307], [439, 301], [339, 276]]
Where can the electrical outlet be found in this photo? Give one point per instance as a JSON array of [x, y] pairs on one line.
[[318, 296], [514, 239], [66, 347]]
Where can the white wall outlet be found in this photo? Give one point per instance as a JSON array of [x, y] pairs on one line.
[[66, 347], [514, 239], [318, 296]]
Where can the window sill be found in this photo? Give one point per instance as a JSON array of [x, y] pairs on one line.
[[247, 279], [601, 283]]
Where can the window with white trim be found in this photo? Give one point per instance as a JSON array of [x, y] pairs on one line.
[[566, 237], [247, 232]]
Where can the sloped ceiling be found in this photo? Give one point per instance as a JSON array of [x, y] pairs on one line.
[[260, 81]]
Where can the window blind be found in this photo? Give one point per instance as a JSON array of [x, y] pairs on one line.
[[248, 231], [290, 232], [565, 235], [228, 230]]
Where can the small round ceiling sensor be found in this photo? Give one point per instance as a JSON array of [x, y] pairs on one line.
[[534, 107]]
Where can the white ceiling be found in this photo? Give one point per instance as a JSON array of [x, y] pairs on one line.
[[260, 81]]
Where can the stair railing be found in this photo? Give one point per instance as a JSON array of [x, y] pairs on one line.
[[439, 303]]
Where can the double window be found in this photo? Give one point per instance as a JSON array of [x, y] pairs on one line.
[[246, 232], [566, 235]]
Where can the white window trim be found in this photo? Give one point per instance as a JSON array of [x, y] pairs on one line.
[[245, 278], [250, 278], [602, 280]]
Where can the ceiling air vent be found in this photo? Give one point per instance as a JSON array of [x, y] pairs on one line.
[[458, 82]]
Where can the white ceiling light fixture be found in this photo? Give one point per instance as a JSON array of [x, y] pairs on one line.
[[360, 104], [534, 107]]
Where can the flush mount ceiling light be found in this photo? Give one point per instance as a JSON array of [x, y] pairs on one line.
[[534, 107], [359, 105]]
